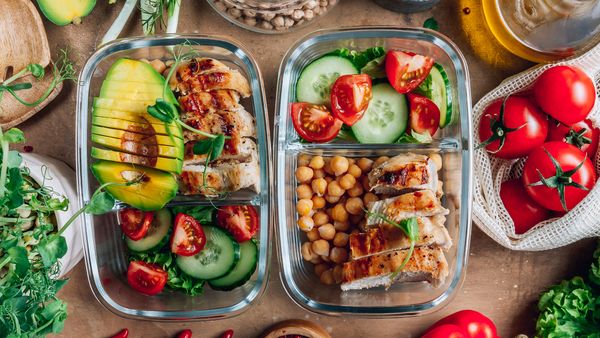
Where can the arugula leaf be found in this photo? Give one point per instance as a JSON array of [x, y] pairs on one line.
[[52, 248], [431, 23]]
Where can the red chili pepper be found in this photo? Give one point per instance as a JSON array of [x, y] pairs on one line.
[[472, 323], [446, 331], [122, 334], [187, 333], [227, 334]]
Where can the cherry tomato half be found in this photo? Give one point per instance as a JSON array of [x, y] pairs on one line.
[[581, 134], [560, 189], [146, 278], [135, 223], [188, 238], [514, 131], [315, 123], [565, 93], [523, 210], [350, 96], [241, 221], [424, 114], [406, 70]]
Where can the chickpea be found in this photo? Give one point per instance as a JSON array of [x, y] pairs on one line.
[[354, 170], [303, 160], [351, 161], [354, 206], [327, 167], [321, 247], [365, 164], [332, 199], [365, 183], [303, 191], [328, 211], [326, 259], [320, 218], [158, 65], [318, 202], [327, 277], [355, 219], [338, 273], [339, 213], [304, 174], [304, 207], [327, 231], [307, 252], [340, 239], [380, 161], [320, 268], [339, 165], [318, 186], [356, 190], [305, 223], [317, 162], [341, 226], [369, 198], [319, 173], [317, 260], [328, 179], [347, 181], [338, 255], [313, 234], [334, 189], [437, 160]]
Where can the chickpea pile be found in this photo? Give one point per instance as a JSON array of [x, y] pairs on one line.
[[332, 194]]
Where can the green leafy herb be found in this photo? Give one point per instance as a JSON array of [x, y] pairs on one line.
[[153, 13], [415, 138], [346, 133], [375, 68], [359, 59], [431, 23], [426, 87], [202, 213]]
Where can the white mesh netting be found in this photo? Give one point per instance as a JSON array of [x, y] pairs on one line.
[[489, 212]]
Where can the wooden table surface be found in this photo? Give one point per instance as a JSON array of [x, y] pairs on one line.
[[501, 283]]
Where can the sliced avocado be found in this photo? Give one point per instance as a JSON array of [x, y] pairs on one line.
[[141, 128], [173, 165], [64, 12], [127, 116], [138, 91], [156, 188], [149, 149], [136, 137], [129, 70], [139, 107]]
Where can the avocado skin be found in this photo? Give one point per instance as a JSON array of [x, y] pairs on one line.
[[57, 10]]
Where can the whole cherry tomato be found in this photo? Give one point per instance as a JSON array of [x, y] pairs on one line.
[[523, 210], [581, 134]]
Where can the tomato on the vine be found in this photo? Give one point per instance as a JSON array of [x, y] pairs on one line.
[[512, 128], [582, 134], [558, 176], [314, 123], [523, 210], [406, 70], [350, 96]]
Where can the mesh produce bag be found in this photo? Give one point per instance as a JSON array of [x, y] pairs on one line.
[[488, 210]]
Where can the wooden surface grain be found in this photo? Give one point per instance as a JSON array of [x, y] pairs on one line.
[[503, 284]]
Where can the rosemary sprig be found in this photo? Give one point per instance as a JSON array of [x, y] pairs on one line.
[[153, 13]]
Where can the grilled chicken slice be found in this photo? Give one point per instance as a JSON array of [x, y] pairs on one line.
[[238, 123], [425, 264], [210, 102], [204, 74], [221, 178], [386, 238], [421, 203], [239, 150], [403, 173]]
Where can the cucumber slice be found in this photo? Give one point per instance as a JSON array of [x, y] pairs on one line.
[[441, 93], [217, 259], [315, 81], [157, 235], [244, 269], [386, 118]]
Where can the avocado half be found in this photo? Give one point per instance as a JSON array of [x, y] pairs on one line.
[[64, 12]]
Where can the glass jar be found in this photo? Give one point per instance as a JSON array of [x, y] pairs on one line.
[[544, 30], [272, 16]]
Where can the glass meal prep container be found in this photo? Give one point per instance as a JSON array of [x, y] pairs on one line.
[[105, 250], [453, 143]]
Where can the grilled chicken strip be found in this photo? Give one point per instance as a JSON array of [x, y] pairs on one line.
[[425, 264], [204, 74], [403, 173], [221, 178], [386, 238], [421, 203], [210, 102], [239, 150], [238, 123]]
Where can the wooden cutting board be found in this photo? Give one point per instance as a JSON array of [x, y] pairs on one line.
[[23, 41]]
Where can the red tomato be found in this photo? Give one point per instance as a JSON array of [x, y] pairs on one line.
[[406, 70], [350, 96], [523, 210], [241, 221], [315, 123], [562, 185], [187, 333], [446, 331], [474, 324], [122, 334], [146, 278], [227, 334], [424, 114], [565, 93], [188, 238], [581, 134], [135, 223], [514, 131]]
